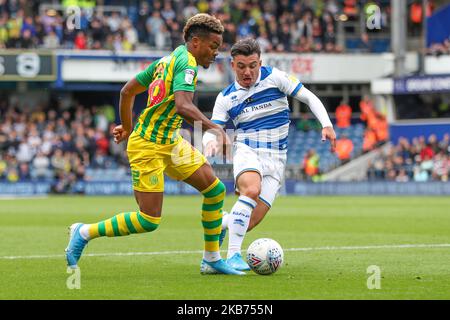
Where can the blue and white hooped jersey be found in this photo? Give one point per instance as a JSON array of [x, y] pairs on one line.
[[261, 113]]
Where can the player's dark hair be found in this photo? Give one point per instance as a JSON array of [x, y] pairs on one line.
[[201, 25], [246, 47]]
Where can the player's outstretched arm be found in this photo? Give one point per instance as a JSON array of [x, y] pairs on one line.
[[186, 109], [318, 109], [131, 89]]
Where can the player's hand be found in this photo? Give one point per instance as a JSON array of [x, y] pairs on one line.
[[120, 134], [329, 134], [211, 149], [224, 143]]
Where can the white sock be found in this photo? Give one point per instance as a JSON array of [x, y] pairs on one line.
[[84, 231], [211, 256], [225, 220], [238, 223]]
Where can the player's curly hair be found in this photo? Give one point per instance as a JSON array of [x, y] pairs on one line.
[[201, 25], [246, 47]]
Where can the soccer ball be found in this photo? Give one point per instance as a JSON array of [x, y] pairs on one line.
[[265, 256]]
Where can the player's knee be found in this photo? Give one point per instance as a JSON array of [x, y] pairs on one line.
[[218, 191], [252, 192], [221, 188], [149, 222]]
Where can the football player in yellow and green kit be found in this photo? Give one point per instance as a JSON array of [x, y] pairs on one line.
[[155, 147]]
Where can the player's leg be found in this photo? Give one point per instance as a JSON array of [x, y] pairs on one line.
[[258, 214], [213, 191], [191, 166], [249, 185], [247, 173], [148, 185], [273, 167], [146, 219], [269, 189]]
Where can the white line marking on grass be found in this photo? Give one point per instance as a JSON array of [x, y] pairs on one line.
[[387, 246], [9, 198], [120, 254]]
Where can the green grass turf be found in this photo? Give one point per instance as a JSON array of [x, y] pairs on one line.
[[39, 227]]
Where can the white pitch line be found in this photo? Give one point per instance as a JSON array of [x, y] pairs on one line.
[[397, 246], [12, 198]]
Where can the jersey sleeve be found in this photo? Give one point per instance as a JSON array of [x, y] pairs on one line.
[[288, 84], [145, 77], [220, 111], [185, 74]]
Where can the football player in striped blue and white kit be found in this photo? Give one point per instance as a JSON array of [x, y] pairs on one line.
[[258, 106]]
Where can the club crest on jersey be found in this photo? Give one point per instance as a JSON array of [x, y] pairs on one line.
[[189, 76]]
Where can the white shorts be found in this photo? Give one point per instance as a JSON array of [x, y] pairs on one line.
[[270, 165]]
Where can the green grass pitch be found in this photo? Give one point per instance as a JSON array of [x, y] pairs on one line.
[[329, 243]]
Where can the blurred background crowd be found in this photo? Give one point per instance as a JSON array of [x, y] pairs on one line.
[[58, 146], [279, 26], [422, 159]]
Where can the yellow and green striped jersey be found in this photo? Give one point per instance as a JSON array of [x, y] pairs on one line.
[[159, 122]]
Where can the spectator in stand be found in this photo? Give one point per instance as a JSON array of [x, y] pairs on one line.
[[402, 176], [130, 34], [24, 172], [366, 107], [41, 165], [153, 26], [381, 128], [427, 152], [80, 41], [305, 29], [343, 115], [434, 143], [416, 16], [190, 10], [317, 33], [310, 165], [51, 41], [330, 38], [26, 41], [102, 143], [444, 144], [370, 140], [351, 9], [176, 38], [344, 148]]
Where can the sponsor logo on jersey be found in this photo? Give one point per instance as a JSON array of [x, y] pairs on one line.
[[189, 76]]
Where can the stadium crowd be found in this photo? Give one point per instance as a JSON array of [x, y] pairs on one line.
[[418, 160], [57, 146], [279, 26]]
